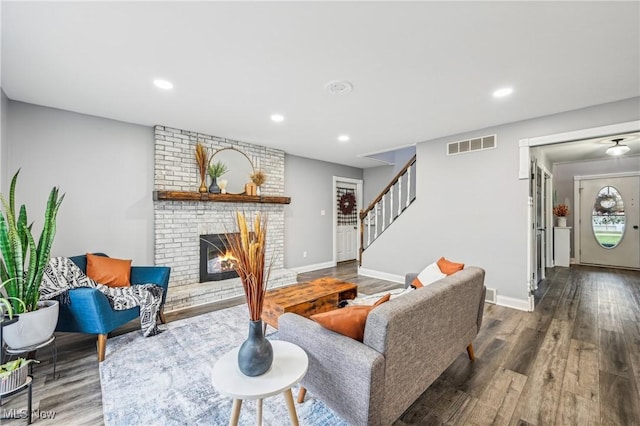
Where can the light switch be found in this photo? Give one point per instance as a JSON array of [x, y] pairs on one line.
[[322, 212]]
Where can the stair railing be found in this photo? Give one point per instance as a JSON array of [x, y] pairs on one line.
[[398, 195]]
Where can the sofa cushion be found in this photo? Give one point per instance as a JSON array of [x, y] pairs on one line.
[[109, 271], [429, 275], [448, 267], [349, 321]]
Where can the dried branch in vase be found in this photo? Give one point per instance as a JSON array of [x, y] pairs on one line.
[[248, 247], [202, 160], [258, 178]]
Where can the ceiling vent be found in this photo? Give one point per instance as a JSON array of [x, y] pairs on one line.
[[469, 145], [338, 87]]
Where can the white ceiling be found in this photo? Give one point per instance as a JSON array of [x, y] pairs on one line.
[[420, 70]]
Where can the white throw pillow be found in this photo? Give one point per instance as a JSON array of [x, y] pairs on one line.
[[430, 274]]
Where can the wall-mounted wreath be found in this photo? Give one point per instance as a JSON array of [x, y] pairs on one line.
[[347, 203]]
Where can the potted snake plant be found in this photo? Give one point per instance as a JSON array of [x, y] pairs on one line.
[[22, 264]]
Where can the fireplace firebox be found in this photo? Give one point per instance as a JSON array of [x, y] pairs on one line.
[[216, 263]]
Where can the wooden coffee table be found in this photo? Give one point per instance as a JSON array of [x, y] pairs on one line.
[[306, 299]]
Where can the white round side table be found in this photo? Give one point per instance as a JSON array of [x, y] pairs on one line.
[[290, 363]]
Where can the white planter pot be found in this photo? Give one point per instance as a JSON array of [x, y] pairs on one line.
[[33, 327], [562, 222]]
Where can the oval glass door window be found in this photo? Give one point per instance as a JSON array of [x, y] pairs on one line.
[[608, 219]]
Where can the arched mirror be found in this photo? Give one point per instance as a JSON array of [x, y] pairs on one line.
[[239, 168], [608, 218]]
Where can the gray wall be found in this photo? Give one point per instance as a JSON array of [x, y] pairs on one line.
[[309, 183], [105, 167], [563, 174], [472, 208]]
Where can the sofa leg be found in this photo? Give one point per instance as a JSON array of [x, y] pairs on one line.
[[301, 394], [472, 356], [161, 315], [102, 346]]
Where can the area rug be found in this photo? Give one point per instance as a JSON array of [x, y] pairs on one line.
[[166, 379]]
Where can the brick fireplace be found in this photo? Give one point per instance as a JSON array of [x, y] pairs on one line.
[[179, 225]]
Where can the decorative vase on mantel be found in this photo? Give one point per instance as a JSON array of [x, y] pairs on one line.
[[214, 188], [203, 187], [256, 354]]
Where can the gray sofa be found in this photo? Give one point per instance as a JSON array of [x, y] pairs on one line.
[[408, 342]]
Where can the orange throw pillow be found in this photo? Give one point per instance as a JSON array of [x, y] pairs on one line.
[[416, 283], [349, 321], [109, 271], [448, 267]]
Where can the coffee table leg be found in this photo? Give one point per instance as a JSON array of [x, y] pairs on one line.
[[292, 408], [235, 412], [259, 412]]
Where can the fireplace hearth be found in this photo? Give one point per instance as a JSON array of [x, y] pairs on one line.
[[216, 263]]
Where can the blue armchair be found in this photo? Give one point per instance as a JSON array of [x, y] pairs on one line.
[[89, 311]]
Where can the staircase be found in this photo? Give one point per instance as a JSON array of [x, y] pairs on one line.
[[392, 201]]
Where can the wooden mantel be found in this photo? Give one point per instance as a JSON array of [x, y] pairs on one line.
[[218, 198]]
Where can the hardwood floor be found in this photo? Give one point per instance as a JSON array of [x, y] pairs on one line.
[[574, 361]]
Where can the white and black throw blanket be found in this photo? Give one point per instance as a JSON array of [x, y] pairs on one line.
[[62, 275]]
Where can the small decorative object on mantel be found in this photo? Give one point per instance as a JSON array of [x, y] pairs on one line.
[[222, 183], [215, 171], [258, 178], [248, 248], [250, 189], [202, 160], [561, 211]]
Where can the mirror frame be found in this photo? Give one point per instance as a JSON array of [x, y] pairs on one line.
[[253, 169]]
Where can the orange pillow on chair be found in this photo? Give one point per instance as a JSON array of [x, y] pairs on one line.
[[109, 271], [448, 267], [349, 321]]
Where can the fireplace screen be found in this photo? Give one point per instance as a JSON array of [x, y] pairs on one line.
[[216, 263]]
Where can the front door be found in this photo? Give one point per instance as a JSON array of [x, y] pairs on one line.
[[609, 221], [347, 226]]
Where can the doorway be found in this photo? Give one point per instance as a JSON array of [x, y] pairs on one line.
[[346, 219], [540, 196], [609, 216]]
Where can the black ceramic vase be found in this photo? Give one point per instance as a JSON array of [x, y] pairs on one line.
[[214, 188], [256, 354]]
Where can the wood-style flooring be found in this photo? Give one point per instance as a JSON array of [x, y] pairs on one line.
[[574, 361]]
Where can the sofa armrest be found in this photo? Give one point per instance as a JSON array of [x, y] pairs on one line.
[[89, 311], [158, 275], [346, 374], [408, 279]]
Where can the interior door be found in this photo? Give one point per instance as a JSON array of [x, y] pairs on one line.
[[347, 226], [609, 221]]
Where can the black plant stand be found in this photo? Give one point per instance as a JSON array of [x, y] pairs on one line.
[[26, 385]]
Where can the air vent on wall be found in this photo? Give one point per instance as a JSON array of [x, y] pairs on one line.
[[469, 145]]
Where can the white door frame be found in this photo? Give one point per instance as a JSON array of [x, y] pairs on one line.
[[527, 143], [358, 183], [577, 229]]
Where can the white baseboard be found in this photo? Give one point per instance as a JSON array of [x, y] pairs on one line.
[[309, 268], [381, 275], [512, 302]]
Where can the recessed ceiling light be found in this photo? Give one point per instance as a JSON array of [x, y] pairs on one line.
[[163, 84], [501, 93], [278, 118], [343, 138]]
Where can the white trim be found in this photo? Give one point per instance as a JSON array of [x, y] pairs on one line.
[[384, 151], [607, 176], [334, 209], [381, 275], [512, 302], [594, 132], [315, 267]]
